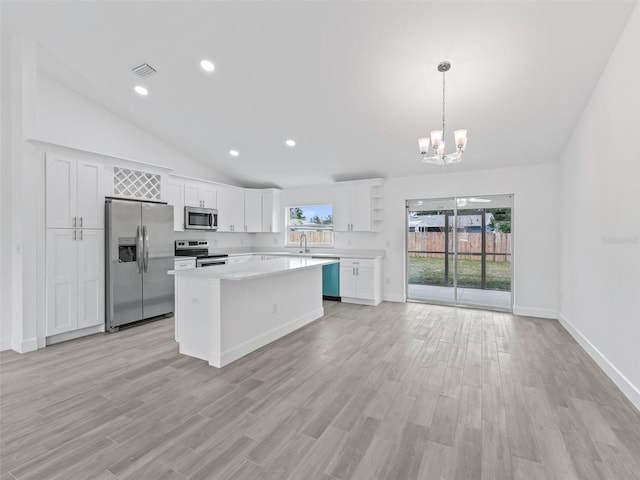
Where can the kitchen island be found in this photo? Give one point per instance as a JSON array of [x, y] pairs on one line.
[[225, 312]]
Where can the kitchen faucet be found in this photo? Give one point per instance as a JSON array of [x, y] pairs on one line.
[[303, 237]]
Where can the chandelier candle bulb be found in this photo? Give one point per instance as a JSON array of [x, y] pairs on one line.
[[436, 138], [461, 138], [423, 143]]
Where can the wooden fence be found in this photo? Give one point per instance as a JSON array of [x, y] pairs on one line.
[[313, 237], [498, 246]]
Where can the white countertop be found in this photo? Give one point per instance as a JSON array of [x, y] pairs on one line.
[[241, 271], [295, 253], [184, 258]]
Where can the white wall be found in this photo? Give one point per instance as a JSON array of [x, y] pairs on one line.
[[600, 184], [68, 118], [5, 198], [536, 227]]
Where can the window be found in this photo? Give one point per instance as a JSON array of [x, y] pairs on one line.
[[315, 221]]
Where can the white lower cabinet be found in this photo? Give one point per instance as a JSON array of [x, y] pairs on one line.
[[361, 280], [74, 279], [184, 263]]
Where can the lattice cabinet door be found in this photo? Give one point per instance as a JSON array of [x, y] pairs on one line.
[[136, 184]]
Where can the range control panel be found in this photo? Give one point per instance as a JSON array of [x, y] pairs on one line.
[[181, 244]]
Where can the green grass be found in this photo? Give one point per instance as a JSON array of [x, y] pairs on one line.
[[430, 271]]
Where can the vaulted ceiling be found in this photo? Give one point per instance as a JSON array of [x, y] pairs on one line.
[[353, 83]]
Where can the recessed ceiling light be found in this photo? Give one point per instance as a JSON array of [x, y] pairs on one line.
[[290, 143], [234, 153], [141, 90], [207, 66]]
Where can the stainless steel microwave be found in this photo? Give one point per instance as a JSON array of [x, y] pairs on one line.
[[196, 218]]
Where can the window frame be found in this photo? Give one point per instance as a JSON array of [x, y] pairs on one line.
[[287, 230]]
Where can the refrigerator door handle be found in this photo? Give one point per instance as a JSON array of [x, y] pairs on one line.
[[145, 247], [139, 247]]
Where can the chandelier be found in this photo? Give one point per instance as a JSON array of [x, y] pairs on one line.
[[437, 136]]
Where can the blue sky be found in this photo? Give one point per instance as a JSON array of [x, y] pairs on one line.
[[321, 210]]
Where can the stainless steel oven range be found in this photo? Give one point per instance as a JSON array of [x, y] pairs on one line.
[[200, 250]]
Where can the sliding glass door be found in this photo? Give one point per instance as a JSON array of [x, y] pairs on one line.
[[459, 251], [431, 263]]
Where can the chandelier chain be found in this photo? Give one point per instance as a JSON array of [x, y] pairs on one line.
[[443, 91]]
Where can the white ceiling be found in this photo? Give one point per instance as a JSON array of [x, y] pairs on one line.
[[354, 83]]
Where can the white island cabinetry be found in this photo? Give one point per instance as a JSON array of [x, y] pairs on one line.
[[226, 312]]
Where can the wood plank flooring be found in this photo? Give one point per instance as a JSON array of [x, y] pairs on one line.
[[399, 391]]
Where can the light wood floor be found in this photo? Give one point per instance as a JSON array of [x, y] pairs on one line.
[[400, 391]]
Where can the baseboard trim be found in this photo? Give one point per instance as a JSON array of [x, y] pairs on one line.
[[253, 344], [27, 345], [63, 337], [395, 297], [622, 382], [535, 312], [360, 301]]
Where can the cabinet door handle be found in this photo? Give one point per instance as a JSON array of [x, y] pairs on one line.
[[74, 234], [358, 271], [74, 222], [81, 234], [81, 222]]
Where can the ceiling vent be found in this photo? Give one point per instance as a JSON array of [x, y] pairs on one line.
[[144, 70]]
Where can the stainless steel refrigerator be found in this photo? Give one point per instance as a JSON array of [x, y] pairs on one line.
[[139, 252]]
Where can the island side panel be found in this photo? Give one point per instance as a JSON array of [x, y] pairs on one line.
[[257, 311], [198, 317]]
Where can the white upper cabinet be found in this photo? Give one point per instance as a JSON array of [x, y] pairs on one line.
[[176, 197], [192, 195], [358, 206], [199, 194], [271, 210], [239, 209], [230, 209], [252, 210], [74, 192]]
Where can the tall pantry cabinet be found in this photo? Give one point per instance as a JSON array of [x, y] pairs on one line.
[[74, 243]]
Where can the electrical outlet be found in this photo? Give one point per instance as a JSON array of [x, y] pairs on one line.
[[388, 243], [275, 241], [275, 308], [195, 301], [215, 242], [349, 242], [388, 281], [242, 241]]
